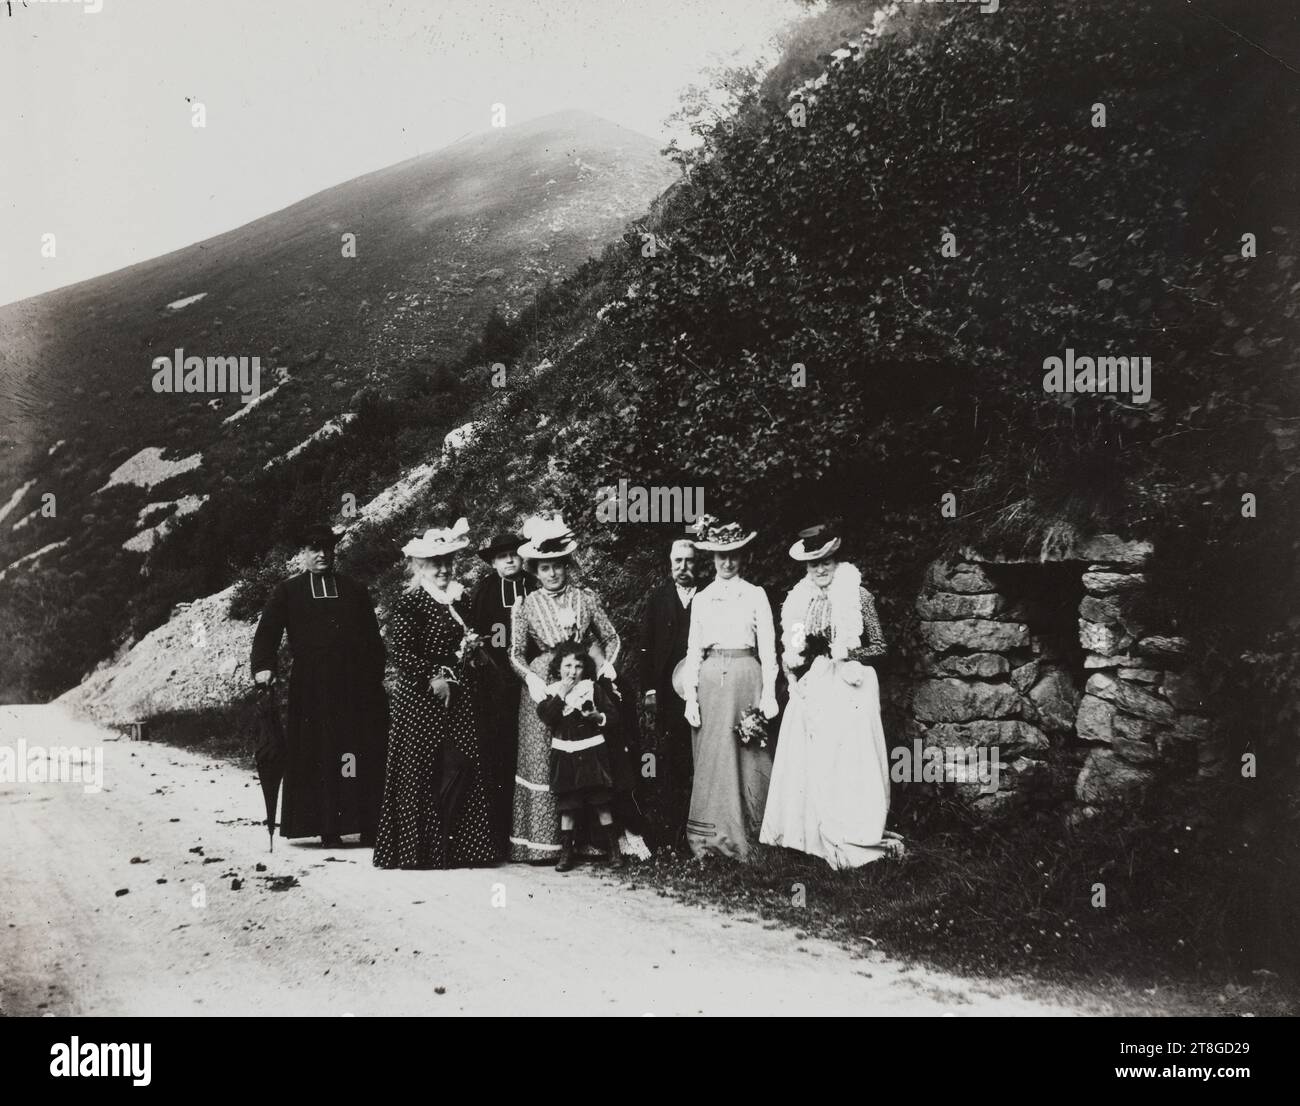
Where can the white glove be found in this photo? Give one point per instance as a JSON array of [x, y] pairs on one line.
[[693, 712], [768, 706], [536, 687], [852, 673], [607, 672]]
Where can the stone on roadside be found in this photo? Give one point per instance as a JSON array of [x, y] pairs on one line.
[[1096, 660], [1108, 778], [947, 606], [1095, 720], [1162, 646], [1057, 701], [1009, 737], [1108, 640], [1135, 752], [1111, 549], [975, 634], [971, 664], [1024, 677], [1108, 583], [1133, 698], [959, 701], [960, 577], [1132, 728]]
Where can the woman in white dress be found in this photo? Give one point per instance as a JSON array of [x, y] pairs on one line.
[[830, 783], [730, 669]]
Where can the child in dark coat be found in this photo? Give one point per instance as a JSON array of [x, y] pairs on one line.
[[580, 711]]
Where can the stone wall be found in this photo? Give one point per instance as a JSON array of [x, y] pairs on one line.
[[1120, 702]]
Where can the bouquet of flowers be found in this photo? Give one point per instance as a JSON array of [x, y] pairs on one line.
[[752, 729], [803, 649]]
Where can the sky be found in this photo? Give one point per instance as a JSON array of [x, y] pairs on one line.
[[98, 146]]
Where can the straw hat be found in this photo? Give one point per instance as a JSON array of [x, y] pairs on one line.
[[815, 543], [548, 539], [721, 537], [439, 543]]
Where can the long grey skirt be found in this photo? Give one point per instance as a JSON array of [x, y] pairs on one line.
[[729, 790]]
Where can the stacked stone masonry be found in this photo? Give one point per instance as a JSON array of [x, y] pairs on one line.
[[991, 680]]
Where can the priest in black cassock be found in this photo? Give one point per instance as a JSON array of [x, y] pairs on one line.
[[337, 735], [490, 608]]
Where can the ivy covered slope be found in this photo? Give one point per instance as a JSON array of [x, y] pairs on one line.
[[822, 246]]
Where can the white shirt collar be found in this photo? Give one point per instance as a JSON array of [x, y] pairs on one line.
[[454, 591]]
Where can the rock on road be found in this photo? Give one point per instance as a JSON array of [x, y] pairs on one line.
[[174, 830]]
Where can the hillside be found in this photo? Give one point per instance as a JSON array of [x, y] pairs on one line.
[[949, 216], [444, 242]]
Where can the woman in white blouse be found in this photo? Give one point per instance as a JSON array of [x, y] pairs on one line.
[[730, 668]]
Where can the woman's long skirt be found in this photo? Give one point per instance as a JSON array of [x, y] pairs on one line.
[[830, 782], [730, 786], [435, 808], [536, 832]]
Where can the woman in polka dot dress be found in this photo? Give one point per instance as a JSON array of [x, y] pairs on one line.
[[435, 808]]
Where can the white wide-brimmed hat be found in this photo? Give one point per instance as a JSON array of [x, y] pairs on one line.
[[815, 543], [721, 537], [548, 539], [439, 543]]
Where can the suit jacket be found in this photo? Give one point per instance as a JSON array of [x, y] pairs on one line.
[[665, 627]]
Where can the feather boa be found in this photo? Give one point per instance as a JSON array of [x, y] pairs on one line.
[[846, 613]]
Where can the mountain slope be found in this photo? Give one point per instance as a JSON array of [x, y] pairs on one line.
[[442, 241]]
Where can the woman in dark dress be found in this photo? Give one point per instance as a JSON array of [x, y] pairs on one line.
[[435, 808]]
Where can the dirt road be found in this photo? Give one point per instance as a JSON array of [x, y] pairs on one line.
[[178, 834]]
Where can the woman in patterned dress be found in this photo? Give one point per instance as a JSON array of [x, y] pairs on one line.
[[435, 808], [830, 783], [559, 611]]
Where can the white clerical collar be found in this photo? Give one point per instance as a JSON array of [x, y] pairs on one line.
[[323, 585]]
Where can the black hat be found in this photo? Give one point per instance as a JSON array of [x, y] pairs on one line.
[[502, 543], [319, 537], [816, 543]]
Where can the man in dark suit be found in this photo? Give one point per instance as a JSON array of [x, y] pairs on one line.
[[664, 630], [337, 736]]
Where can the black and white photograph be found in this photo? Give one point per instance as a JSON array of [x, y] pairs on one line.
[[678, 508]]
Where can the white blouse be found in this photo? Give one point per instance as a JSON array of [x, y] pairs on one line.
[[731, 614]]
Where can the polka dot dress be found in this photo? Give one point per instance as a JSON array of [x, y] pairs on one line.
[[435, 809]]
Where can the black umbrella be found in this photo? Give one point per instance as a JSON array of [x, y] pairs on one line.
[[270, 754]]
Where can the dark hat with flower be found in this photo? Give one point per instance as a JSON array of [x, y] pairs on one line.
[[816, 542], [721, 537]]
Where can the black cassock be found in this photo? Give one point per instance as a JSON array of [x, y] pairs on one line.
[[490, 608], [336, 740]]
